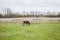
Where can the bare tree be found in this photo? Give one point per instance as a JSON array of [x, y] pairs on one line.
[[1, 15]]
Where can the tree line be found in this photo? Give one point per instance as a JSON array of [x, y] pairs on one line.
[[17, 16], [10, 14]]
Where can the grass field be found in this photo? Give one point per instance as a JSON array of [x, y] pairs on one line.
[[42, 31]]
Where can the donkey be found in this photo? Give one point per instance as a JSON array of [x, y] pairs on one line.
[[26, 22]]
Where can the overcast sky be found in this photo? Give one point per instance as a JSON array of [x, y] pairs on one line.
[[31, 5]]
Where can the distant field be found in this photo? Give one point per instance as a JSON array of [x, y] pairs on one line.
[[49, 30], [32, 20]]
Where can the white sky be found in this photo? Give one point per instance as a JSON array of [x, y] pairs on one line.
[[31, 5]]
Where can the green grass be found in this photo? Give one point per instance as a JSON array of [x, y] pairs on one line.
[[42, 31]]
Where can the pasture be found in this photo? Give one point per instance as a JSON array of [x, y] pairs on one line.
[[49, 30]]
